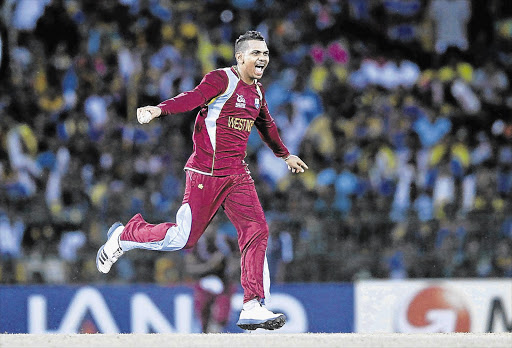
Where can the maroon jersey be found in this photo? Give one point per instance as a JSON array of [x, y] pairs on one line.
[[229, 109]]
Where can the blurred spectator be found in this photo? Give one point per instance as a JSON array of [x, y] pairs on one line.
[[491, 82], [279, 249], [23, 165], [11, 236], [451, 18], [27, 13], [55, 27]]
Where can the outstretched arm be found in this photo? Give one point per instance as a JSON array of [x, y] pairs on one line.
[[213, 84]]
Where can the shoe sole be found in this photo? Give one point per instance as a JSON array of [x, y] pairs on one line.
[[109, 233], [272, 324]]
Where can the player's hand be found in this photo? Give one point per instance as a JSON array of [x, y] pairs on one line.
[[146, 113], [295, 164]]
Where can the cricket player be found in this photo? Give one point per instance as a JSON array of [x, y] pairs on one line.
[[231, 102]]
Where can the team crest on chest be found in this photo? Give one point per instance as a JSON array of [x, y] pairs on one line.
[[257, 103], [240, 101]]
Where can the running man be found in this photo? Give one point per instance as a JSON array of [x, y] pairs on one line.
[[213, 263], [232, 101]]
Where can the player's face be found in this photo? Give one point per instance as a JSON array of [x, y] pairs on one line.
[[253, 61]]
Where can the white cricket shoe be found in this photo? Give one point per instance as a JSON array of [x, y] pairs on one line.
[[111, 251], [258, 317]]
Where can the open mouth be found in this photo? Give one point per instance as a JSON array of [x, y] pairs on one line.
[[259, 68]]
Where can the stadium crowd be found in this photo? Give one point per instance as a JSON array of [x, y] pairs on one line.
[[401, 108]]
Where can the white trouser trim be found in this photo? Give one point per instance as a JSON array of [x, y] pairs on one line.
[[175, 238], [266, 280], [198, 171]]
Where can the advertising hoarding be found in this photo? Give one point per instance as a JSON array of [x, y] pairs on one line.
[[153, 308], [421, 306]]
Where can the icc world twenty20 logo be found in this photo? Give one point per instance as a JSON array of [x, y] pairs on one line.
[[433, 309]]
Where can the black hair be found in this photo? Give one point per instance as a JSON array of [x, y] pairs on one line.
[[247, 36]]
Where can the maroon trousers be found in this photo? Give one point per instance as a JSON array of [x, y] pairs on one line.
[[205, 194]]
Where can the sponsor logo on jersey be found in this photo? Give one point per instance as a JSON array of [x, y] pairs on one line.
[[257, 103], [240, 123], [240, 101]]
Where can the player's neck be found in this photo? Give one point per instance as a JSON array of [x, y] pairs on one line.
[[244, 77]]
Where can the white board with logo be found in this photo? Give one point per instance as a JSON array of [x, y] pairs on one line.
[[434, 305]]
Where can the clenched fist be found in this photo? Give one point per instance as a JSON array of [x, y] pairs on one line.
[[146, 113]]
